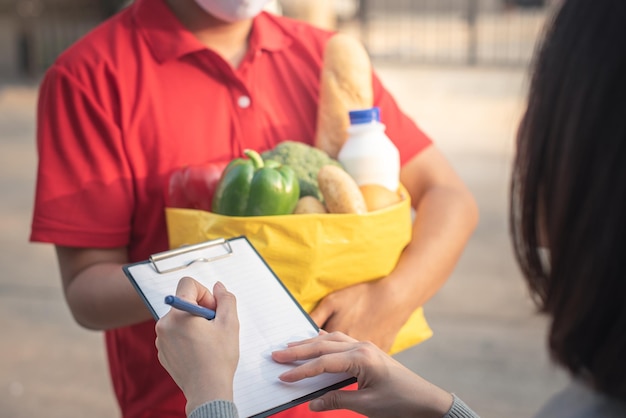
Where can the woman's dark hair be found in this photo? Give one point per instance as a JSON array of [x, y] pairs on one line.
[[568, 190]]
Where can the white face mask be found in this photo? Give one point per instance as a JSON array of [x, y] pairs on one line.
[[233, 10]]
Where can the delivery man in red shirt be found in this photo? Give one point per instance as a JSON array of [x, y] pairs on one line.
[[169, 83]]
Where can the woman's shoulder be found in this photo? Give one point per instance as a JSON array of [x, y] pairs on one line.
[[578, 400]]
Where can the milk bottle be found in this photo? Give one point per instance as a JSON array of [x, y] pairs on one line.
[[368, 155]]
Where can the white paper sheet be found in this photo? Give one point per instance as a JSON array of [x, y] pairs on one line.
[[269, 318]]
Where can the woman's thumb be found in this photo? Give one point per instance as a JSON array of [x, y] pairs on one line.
[[336, 399], [226, 301]]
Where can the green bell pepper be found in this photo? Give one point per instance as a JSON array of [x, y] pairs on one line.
[[253, 187]]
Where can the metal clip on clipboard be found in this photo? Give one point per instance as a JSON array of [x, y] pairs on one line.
[[159, 259]]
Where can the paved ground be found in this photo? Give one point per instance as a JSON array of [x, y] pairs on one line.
[[488, 345]]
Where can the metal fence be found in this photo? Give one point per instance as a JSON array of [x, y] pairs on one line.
[[474, 32], [35, 32], [43, 42]]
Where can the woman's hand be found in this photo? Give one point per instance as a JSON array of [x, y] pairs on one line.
[[386, 388], [201, 355]]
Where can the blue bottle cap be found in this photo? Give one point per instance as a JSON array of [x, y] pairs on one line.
[[364, 116]]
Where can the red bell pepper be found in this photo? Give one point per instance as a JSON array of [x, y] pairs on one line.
[[192, 187]]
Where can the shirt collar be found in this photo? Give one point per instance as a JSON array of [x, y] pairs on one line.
[[267, 35], [169, 39]]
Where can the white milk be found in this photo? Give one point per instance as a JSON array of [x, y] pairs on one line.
[[368, 155]]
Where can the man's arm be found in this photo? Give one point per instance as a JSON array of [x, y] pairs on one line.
[[99, 294], [446, 215]]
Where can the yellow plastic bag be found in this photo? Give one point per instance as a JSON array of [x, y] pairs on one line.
[[315, 254]]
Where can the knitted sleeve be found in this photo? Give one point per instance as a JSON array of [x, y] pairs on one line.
[[460, 410], [215, 409]]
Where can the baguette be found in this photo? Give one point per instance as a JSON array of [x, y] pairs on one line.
[[345, 85]]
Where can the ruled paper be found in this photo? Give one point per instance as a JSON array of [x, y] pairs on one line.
[[269, 318]]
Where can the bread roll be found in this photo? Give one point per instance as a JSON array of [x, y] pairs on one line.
[[340, 191], [309, 204], [378, 197], [345, 85]]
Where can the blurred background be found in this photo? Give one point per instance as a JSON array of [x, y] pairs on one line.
[[458, 67], [462, 32]]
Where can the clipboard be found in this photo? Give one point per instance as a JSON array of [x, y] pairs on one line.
[[269, 317]]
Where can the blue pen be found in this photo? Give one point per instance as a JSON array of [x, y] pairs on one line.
[[197, 310]]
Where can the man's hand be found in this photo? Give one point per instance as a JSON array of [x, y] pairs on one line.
[[364, 311]]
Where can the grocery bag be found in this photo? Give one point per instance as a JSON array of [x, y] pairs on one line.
[[315, 254]]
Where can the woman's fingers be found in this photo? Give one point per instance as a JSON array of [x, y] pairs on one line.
[[323, 336], [312, 348], [332, 357], [226, 306], [192, 291], [336, 362]]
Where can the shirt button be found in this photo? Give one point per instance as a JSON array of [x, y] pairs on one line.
[[243, 102]]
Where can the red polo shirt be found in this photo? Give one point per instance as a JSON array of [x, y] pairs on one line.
[[139, 97]]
